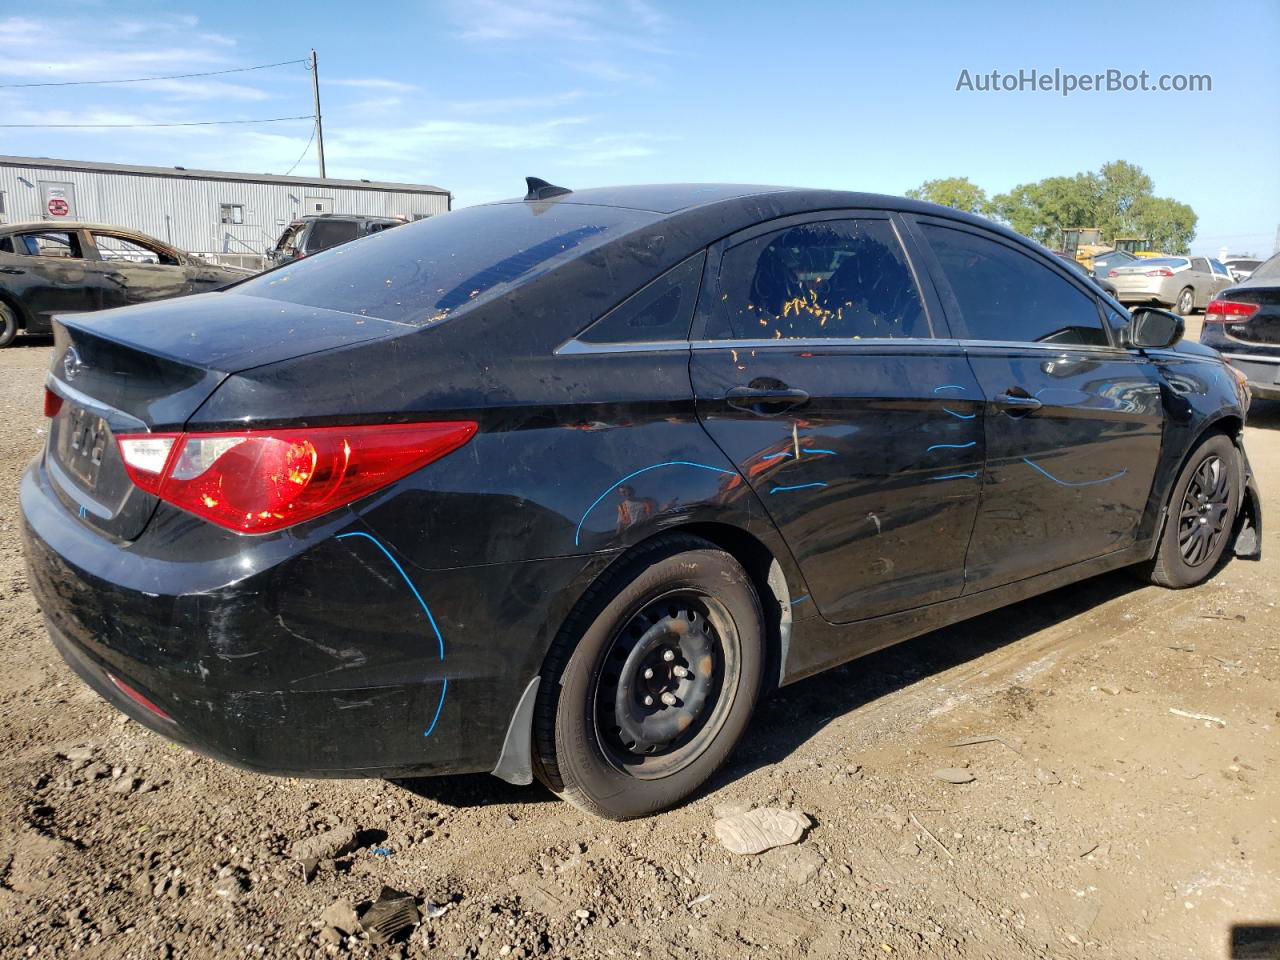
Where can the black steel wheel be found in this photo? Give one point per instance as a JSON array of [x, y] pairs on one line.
[[652, 680], [1201, 516]]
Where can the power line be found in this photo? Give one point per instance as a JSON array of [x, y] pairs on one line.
[[304, 151], [192, 123], [176, 76]]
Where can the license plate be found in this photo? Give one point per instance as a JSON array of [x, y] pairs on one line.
[[87, 437]]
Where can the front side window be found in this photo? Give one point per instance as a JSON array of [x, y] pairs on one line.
[[53, 243], [1218, 268], [126, 249], [845, 279], [1006, 295]]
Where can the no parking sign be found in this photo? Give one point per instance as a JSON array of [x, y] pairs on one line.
[[59, 200]]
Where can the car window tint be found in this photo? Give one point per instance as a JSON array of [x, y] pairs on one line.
[[1270, 270], [117, 248], [1200, 263], [1006, 295], [830, 279], [330, 233], [1171, 262], [50, 244], [659, 311], [424, 271]]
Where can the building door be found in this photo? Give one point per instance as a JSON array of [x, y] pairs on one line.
[[313, 206], [57, 200]]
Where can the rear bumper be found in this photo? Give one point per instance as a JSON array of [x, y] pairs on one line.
[[1263, 371], [308, 654]]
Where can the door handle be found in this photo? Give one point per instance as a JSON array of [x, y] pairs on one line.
[[766, 401], [1017, 404]]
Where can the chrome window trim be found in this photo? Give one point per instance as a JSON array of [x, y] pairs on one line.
[[817, 342], [574, 347], [1251, 358]]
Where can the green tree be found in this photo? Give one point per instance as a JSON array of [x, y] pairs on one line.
[[1118, 199], [957, 192], [1170, 225]]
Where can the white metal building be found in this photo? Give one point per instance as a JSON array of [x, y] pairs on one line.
[[226, 216]]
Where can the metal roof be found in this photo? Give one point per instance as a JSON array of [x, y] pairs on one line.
[[182, 172]]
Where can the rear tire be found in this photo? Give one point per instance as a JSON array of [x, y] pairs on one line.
[[8, 325], [652, 680], [1201, 516], [1185, 303]]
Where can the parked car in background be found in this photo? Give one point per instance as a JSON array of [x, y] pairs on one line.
[[1243, 323], [48, 268], [1241, 267], [308, 235], [558, 487], [1080, 268], [1183, 283], [1110, 260]]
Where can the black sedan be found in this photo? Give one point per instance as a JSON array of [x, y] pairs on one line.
[[559, 486], [50, 268], [1244, 323]]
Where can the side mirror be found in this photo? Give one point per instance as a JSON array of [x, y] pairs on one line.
[[1152, 329]]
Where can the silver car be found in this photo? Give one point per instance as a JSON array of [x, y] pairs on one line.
[[1183, 283]]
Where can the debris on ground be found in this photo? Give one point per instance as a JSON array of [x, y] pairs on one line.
[[389, 916], [326, 846], [1198, 716], [341, 915], [759, 830], [953, 775]]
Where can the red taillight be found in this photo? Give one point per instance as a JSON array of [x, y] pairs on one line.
[[52, 403], [264, 480], [1162, 272], [1227, 311]]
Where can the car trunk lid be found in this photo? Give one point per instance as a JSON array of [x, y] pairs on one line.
[[148, 369], [1263, 326]]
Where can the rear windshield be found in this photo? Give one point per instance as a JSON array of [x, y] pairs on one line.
[[1269, 270], [425, 271], [1162, 262]]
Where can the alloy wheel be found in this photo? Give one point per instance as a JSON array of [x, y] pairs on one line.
[[1203, 517]]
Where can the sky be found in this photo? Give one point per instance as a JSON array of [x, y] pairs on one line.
[[473, 95]]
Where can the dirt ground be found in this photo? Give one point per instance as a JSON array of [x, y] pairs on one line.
[[1100, 823]]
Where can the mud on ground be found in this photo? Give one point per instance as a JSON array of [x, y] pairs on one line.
[[1100, 823]]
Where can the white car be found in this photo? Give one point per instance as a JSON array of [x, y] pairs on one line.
[[1241, 268]]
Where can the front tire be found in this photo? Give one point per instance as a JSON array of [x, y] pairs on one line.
[[1201, 517], [652, 680], [8, 325]]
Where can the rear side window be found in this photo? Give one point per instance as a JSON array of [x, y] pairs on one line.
[[1006, 295], [660, 311], [842, 279], [1269, 270], [425, 271], [329, 233], [60, 244]]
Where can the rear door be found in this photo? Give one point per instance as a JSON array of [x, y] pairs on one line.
[[49, 274], [137, 269], [1073, 420], [823, 369]]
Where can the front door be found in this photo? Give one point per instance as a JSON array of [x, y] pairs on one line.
[[138, 271], [1073, 421], [857, 424]]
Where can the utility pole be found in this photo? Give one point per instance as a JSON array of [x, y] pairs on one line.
[[315, 93]]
